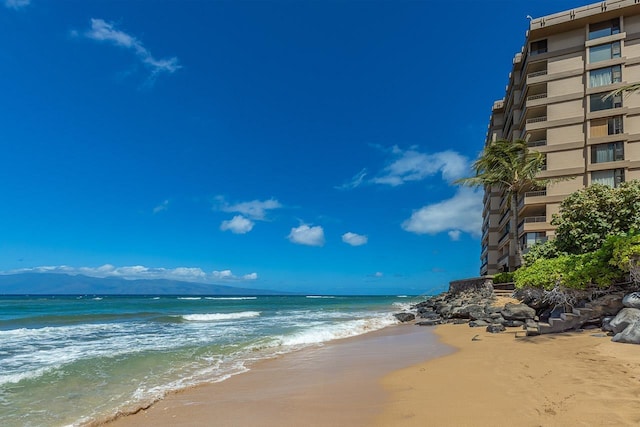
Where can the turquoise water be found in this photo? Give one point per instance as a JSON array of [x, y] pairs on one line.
[[69, 360]]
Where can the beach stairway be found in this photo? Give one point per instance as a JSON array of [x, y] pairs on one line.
[[565, 322], [503, 289]]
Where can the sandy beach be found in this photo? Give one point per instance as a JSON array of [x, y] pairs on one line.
[[401, 377], [571, 379]]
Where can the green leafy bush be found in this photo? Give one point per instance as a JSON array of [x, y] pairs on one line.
[[506, 277], [570, 271], [545, 250], [589, 215], [623, 248]]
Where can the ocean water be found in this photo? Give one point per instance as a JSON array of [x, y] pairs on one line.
[[71, 360]]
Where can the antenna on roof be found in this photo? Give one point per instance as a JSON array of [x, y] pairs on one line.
[[529, 17]]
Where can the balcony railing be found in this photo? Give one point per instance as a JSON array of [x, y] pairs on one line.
[[539, 143], [537, 74], [535, 193], [534, 219], [537, 119], [538, 96]]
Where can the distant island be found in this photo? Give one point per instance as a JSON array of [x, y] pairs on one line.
[[65, 284]]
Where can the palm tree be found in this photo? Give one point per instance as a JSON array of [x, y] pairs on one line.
[[626, 90], [513, 169]]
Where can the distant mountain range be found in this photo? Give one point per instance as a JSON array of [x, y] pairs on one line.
[[65, 284]]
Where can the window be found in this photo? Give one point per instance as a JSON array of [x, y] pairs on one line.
[[604, 52], [538, 47], [610, 152], [530, 239], [605, 76], [612, 178], [604, 29], [600, 101], [606, 126]]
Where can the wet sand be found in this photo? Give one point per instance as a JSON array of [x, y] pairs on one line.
[[571, 379], [402, 376], [337, 384]]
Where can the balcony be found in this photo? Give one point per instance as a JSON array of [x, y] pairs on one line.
[[536, 119], [538, 193], [527, 196], [536, 222], [537, 74], [538, 96], [540, 143]]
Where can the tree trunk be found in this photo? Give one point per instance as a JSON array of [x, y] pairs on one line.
[[515, 240]]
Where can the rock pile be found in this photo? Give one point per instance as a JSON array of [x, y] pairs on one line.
[[475, 307], [617, 312]]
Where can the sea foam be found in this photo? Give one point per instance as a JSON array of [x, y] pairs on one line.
[[213, 317]]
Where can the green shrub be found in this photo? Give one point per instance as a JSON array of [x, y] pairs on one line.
[[570, 271], [623, 248], [505, 277], [546, 250]]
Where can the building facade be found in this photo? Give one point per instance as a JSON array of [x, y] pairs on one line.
[[556, 101]]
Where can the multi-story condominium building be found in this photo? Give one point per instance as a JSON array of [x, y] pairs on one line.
[[555, 101]]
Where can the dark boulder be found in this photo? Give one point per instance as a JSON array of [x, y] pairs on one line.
[[430, 322], [630, 334], [495, 328], [405, 317], [513, 323], [626, 317], [464, 312], [478, 323], [608, 305], [533, 297], [632, 300], [517, 312]]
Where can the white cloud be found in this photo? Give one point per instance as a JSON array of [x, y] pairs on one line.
[[411, 165], [461, 213], [161, 207], [354, 239], [106, 32], [379, 274], [454, 235], [354, 182], [255, 209], [237, 225], [16, 4], [224, 274], [188, 274], [305, 235]]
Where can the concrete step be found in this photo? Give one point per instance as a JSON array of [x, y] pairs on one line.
[[569, 317], [583, 312]]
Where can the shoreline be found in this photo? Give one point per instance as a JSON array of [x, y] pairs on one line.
[[576, 378], [336, 384]]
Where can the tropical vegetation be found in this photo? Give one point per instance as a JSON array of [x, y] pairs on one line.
[[597, 238]]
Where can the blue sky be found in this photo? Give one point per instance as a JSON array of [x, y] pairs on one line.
[[293, 145]]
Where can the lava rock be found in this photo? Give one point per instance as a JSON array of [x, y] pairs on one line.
[[631, 300], [495, 328], [405, 317], [517, 312], [626, 317]]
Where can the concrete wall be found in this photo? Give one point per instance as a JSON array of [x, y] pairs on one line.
[[474, 283]]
